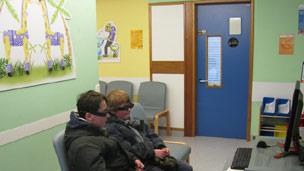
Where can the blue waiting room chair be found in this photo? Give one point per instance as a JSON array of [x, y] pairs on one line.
[[59, 147], [126, 86], [152, 97], [102, 87]]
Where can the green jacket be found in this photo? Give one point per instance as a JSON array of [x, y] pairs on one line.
[[89, 149]]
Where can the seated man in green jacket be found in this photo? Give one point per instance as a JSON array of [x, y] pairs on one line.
[[88, 147]]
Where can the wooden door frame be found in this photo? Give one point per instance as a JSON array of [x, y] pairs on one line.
[[190, 64]]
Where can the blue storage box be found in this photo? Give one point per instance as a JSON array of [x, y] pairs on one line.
[[282, 107], [268, 106]]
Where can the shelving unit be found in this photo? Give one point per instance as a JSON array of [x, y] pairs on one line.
[[272, 125]]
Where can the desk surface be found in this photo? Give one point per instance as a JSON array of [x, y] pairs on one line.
[[263, 159]]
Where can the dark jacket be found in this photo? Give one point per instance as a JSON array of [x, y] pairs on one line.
[[142, 145], [89, 149]]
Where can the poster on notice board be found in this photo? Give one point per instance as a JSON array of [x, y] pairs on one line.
[[301, 20]]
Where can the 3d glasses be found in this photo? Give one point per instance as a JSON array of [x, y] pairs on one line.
[[125, 106], [104, 113]]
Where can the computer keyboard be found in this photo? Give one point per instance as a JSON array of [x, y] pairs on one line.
[[241, 158]]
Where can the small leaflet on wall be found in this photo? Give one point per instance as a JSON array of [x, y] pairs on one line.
[[301, 20], [136, 39], [286, 44]]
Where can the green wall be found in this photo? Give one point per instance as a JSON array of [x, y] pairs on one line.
[[27, 105], [34, 153], [273, 18], [269, 23]]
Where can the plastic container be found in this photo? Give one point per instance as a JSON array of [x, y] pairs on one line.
[[282, 129], [268, 106], [282, 107]]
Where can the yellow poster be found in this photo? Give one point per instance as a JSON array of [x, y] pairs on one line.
[[136, 39], [286, 44]]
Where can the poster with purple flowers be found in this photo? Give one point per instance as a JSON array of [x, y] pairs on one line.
[[35, 43]]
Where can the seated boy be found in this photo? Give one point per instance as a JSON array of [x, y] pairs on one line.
[[142, 142]]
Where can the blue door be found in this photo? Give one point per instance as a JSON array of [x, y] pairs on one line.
[[223, 52]]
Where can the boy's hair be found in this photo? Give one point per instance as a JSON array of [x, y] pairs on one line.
[[116, 98], [89, 102]]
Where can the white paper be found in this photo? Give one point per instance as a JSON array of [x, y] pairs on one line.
[[269, 107], [235, 26], [283, 108]]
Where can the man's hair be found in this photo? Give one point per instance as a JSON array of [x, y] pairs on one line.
[[116, 98], [89, 102]]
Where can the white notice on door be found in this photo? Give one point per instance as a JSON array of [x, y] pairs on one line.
[[235, 26]]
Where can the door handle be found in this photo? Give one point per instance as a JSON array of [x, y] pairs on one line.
[[201, 32], [203, 81]]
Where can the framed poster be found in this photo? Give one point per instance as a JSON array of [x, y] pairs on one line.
[[36, 45]]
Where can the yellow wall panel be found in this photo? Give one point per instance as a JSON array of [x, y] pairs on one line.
[[127, 15]]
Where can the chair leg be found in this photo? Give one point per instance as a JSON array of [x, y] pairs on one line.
[[156, 120], [168, 124]]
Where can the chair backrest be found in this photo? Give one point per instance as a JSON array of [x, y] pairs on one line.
[[138, 113], [103, 87], [59, 146], [152, 94], [127, 86]]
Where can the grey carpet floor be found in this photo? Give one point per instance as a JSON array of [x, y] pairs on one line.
[[210, 153]]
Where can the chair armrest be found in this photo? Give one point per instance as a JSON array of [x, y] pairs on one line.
[[175, 142], [161, 113], [179, 150]]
